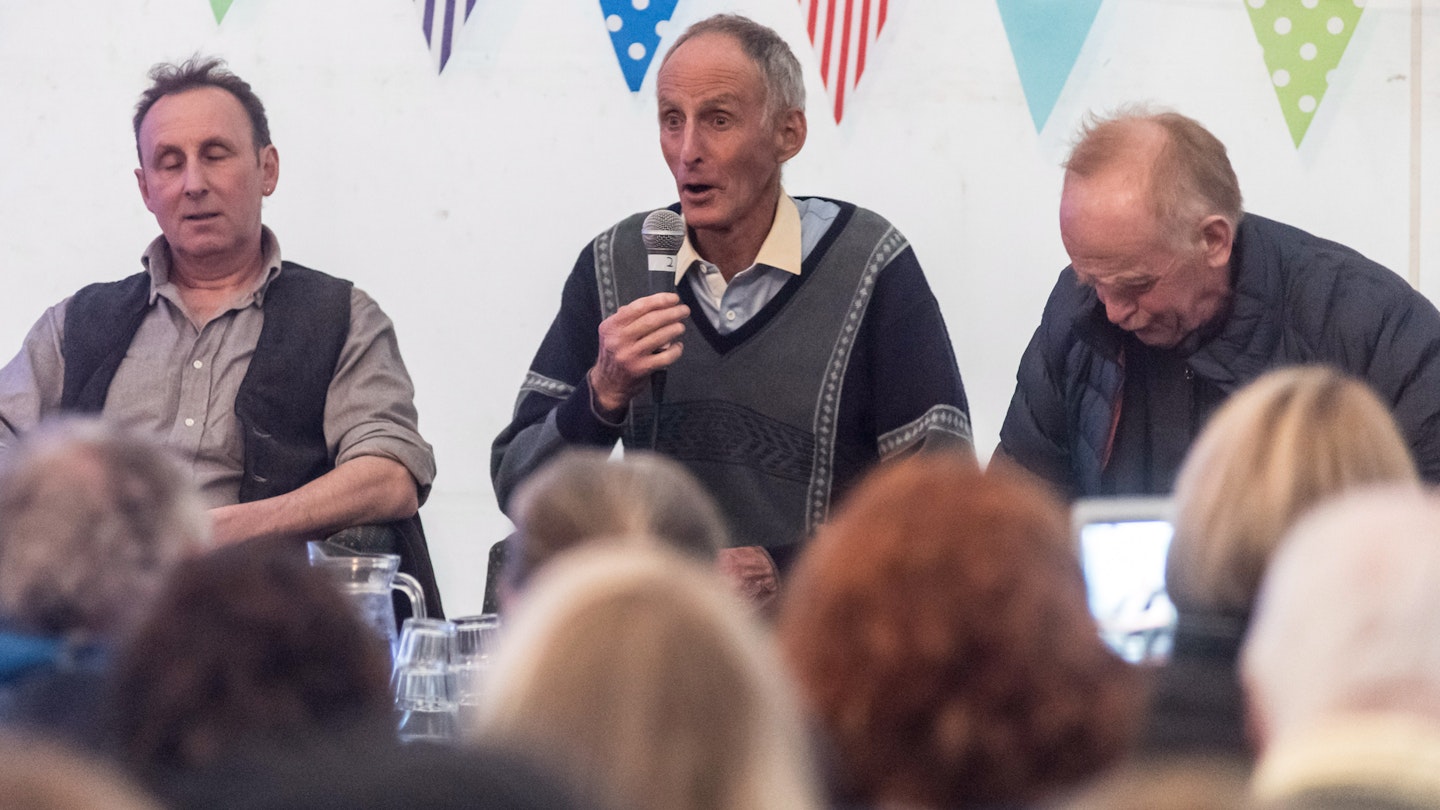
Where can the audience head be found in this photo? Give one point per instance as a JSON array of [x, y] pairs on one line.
[[1278, 447], [1166, 783], [583, 496], [90, 521], [939, 628], [40, 775], [636, 672], [1348, 620], [1148, 215], [247, 645]]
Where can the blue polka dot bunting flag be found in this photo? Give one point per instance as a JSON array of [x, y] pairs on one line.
[[1303, 41], [635, 29]]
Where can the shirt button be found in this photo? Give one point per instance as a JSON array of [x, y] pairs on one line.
[[198, 364], [730, 316], [189, 423]]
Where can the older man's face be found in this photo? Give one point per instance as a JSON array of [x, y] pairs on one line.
[[1157, 290], [723, 148], [201, 176]]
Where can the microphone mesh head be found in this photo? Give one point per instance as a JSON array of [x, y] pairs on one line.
[[663, 232]]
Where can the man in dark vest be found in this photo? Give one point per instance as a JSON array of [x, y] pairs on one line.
[[801, 345], [282, 387]]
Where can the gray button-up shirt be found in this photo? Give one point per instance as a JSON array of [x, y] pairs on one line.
[[178, 382]]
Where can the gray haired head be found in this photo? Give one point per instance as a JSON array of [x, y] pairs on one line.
[[90, 521]]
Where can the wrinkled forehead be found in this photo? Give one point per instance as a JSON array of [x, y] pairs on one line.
[[196, 114]]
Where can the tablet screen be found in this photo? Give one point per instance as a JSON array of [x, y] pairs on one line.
[[1122, 552]]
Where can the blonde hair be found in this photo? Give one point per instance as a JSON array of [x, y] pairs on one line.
[[631, 669], [1286, 442], [42, 775]]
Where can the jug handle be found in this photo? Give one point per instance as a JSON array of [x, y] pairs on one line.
[[409, 586]]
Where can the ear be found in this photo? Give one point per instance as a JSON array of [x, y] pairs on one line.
[[270, 168], [1217, 237], [144, 189], [790, 134]]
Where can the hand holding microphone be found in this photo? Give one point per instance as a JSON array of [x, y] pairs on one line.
[[643, 336]]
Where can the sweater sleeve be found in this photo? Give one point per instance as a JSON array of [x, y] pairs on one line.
[[553, 408], [914, 387]]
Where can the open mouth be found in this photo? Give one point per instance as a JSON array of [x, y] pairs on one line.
[[200, 217], [696, 188]]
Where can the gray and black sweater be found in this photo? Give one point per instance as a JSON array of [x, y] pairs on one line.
[[850, 363]]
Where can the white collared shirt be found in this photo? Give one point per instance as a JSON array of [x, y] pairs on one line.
[[796, 230]]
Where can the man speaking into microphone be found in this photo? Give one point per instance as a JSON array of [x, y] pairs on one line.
[[801, 343]]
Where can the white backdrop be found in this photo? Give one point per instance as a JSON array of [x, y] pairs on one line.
[[461, 200]]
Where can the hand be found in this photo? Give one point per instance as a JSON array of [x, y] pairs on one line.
[[641, 338], [752, 575]]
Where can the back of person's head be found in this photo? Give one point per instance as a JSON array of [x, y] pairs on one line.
[[1348, 619], [1284, 443], [1178, 783], [583, 495], [90, 521], [41, 775], [633, 670], [939, 629], [247, 645], [378, 774]]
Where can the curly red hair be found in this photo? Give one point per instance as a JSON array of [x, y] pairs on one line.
[[939, 630]]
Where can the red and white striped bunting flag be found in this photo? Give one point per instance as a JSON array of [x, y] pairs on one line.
[[843, 33]]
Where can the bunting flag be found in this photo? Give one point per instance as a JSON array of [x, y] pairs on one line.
[[220, 7], [441, 20], [843, 32], [635, 30], [1303, 41], [1045, 39]]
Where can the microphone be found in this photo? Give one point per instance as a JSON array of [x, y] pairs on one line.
[[663, 233]]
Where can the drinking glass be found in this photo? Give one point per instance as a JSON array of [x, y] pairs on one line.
[[424, 681], [476, 639]]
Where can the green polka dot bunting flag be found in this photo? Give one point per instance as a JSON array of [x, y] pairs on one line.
[[1303, 41], [220, 7]]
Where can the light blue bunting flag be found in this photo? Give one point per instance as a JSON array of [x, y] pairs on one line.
[[1045, 38]]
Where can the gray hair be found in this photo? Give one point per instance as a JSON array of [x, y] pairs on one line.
[[90, 521], [1349, 615], [582, 496], [780, 70]]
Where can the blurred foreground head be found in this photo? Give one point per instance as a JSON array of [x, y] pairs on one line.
[[584, 495], [939, 629], [90, 521], [247, 647], [1348, 620], [633, 670], [41, 775], [1288, 441]]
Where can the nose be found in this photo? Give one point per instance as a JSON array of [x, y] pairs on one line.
[[1118, 308], [196, 182], [692, 144]]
